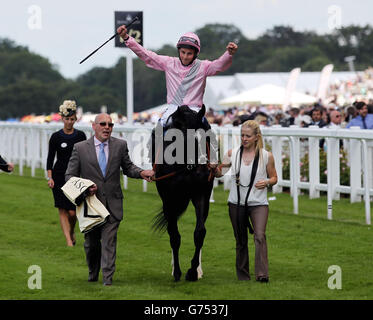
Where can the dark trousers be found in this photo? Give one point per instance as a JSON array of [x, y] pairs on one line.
[[100, 248], [259, 217]]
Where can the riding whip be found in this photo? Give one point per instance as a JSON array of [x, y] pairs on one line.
[[116, 33]]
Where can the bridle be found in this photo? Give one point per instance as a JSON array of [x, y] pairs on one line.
[[189, 167]]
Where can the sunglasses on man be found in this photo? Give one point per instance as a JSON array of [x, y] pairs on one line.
[[104, 124]]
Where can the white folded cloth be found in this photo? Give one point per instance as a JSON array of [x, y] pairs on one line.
[[90, 212]]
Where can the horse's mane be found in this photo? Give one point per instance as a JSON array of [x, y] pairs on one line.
[[185, 118]]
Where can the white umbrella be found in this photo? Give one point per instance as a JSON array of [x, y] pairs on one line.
[[267, 94]]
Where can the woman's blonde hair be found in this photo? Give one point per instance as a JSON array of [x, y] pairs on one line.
[[254, 126]]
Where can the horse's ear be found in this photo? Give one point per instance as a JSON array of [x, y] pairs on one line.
[[202, 112]]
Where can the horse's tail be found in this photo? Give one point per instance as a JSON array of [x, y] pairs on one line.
[[160, 221]]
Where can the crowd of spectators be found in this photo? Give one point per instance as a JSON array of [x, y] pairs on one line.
[[347, 100], [323, 116]]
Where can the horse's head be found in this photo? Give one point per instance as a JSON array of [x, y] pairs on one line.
[[185, 118]]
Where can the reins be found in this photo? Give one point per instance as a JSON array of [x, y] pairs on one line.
[[155, 166], [171, 174]]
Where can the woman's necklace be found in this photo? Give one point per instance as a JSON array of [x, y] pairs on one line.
[[248, 157]]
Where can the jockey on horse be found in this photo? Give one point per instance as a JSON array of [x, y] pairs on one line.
[[181, 183], [185, 75]]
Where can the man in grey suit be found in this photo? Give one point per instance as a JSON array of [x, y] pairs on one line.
[[99, 159]]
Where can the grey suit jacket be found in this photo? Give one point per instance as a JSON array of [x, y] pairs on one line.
[[83, 163]]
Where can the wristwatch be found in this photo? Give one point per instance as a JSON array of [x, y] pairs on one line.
[[48, 178], [268, 184]]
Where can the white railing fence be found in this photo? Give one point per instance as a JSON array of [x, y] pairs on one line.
[[27, 145]]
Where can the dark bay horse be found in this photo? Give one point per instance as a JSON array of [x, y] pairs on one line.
[[183, 174]]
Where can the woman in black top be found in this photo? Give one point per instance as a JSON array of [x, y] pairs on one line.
[[62, 143]]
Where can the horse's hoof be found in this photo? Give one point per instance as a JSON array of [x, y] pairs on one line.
[[192, 275], [177, 277]]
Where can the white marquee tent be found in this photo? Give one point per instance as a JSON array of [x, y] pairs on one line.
[[265, 95]]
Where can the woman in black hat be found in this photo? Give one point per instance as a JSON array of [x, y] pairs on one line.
[[61, 143]]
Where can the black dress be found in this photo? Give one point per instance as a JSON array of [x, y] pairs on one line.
[[62, 144]]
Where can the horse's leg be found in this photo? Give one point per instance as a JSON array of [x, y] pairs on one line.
[[202, 208], [175, 240], [199, 268]]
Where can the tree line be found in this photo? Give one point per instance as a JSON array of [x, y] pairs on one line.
[[30, 83]]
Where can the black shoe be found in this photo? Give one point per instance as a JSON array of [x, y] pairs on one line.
[[92, 279], [262, 279]]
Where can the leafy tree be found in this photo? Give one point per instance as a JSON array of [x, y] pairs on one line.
[[18, 63], [215, 37], [286, 58], [26, 97], [285, 36]]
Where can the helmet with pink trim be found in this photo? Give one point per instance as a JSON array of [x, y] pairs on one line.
[[189, 40]]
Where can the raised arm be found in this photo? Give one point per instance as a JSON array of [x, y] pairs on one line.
[[232, 48], [151, 59], [224, 62]]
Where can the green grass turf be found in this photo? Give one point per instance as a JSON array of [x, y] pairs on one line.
[[300, 249]]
